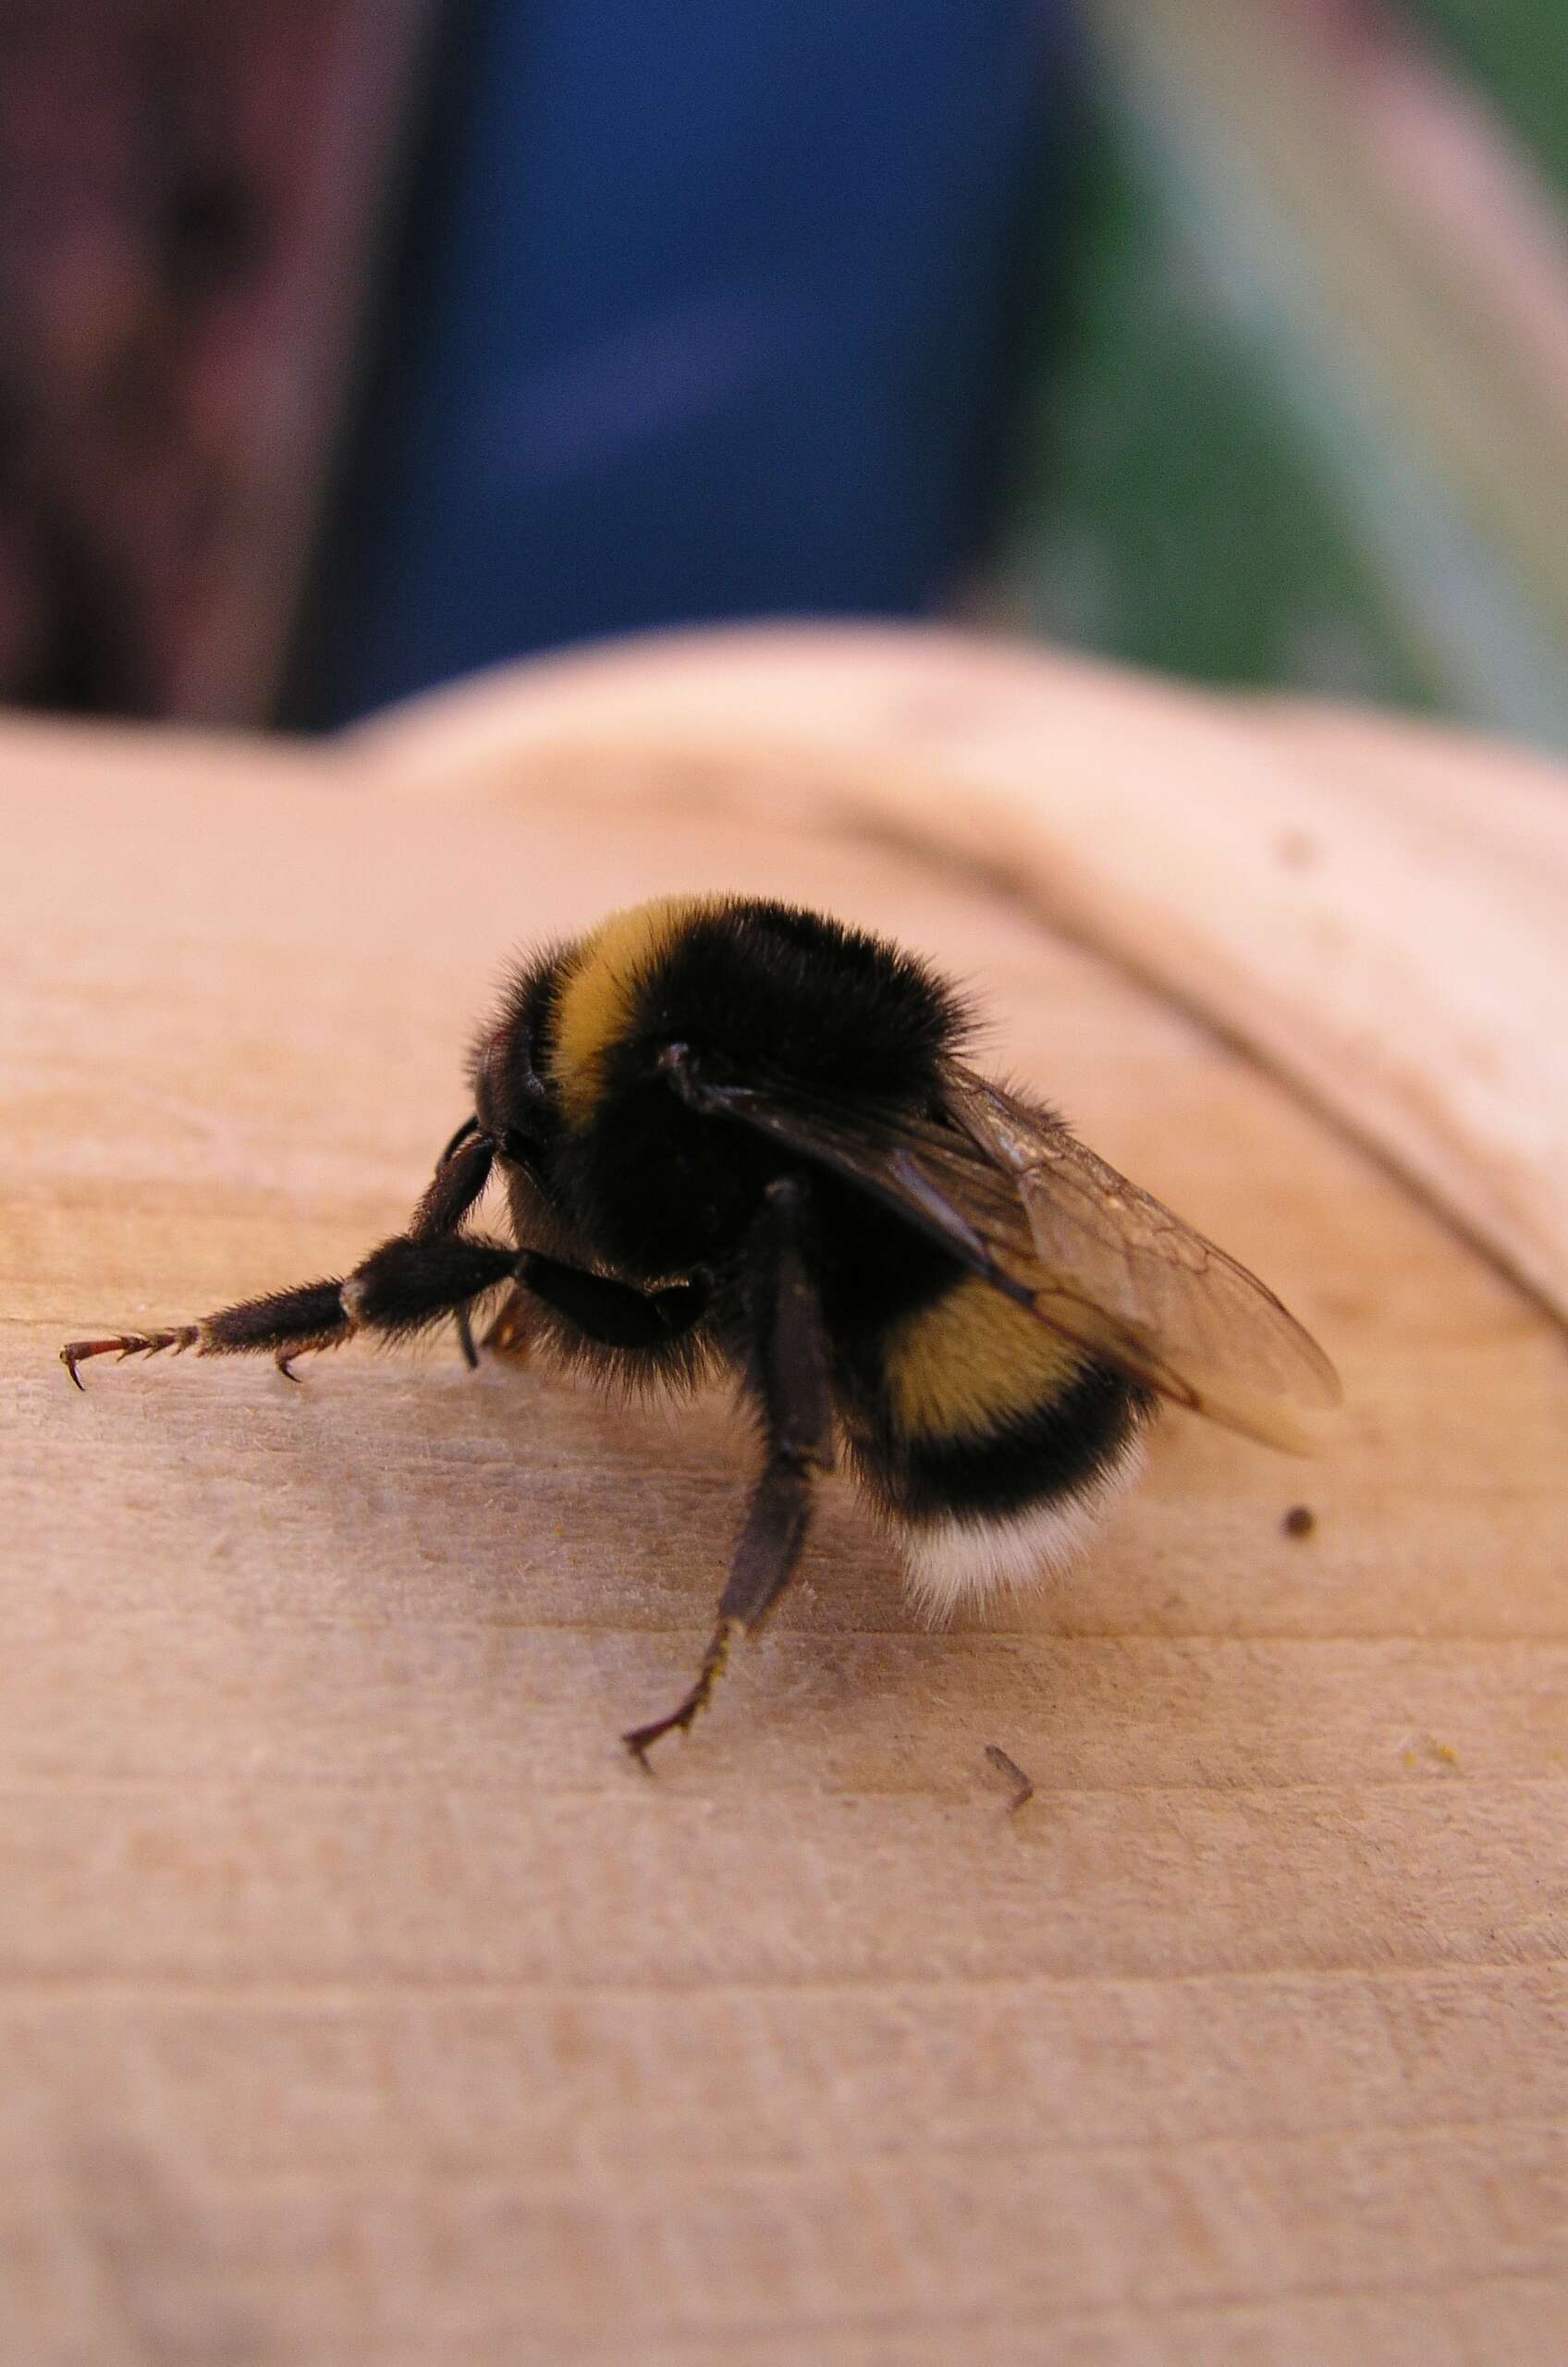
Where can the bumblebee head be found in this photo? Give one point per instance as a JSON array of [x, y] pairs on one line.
[[514, 1095], [573, 1015]]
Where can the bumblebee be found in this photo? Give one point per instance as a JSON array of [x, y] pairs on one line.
[[739, 1137]]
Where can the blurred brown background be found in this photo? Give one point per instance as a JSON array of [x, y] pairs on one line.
[[190, 202]]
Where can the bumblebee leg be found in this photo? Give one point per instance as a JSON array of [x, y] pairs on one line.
[[789, 1375], [408, 1283], [398, 1289], [615, 1314], [461, 1172], [288, 1322]]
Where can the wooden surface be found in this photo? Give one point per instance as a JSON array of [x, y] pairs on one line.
[[359, 2002]]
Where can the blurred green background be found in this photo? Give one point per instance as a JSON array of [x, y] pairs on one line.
[[1517, 52], [1307, 422]]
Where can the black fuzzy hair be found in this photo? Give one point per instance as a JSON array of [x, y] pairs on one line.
[[775, 991]]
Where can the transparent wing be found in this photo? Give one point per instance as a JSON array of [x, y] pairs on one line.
[[1118, 1273], [1010, 1194]]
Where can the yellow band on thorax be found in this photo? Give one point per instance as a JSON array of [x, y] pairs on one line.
[[599, 993]]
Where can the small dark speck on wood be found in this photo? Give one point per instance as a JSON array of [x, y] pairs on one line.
[[1024, 1788]]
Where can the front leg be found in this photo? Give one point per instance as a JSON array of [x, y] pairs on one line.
[[789, 1364], [614, 1313], [399, 1290], [411, 1282]]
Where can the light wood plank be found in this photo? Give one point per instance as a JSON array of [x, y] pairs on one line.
[[359, 2002]]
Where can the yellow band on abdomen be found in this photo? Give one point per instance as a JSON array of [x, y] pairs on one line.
[[963, 1367]]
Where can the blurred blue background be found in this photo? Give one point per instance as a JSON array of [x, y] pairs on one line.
[[709, 309]]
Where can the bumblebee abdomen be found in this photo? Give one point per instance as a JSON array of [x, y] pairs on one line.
[[970, 1361], [991, 1440]]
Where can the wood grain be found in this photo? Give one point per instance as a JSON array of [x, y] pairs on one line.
[[359, 2002]]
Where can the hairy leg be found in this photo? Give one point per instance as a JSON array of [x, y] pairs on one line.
[[395, 1290], [789, 1375], [615, 1314], [399, 1290]]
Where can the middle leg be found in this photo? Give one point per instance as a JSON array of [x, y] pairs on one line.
[[789, 1375]]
